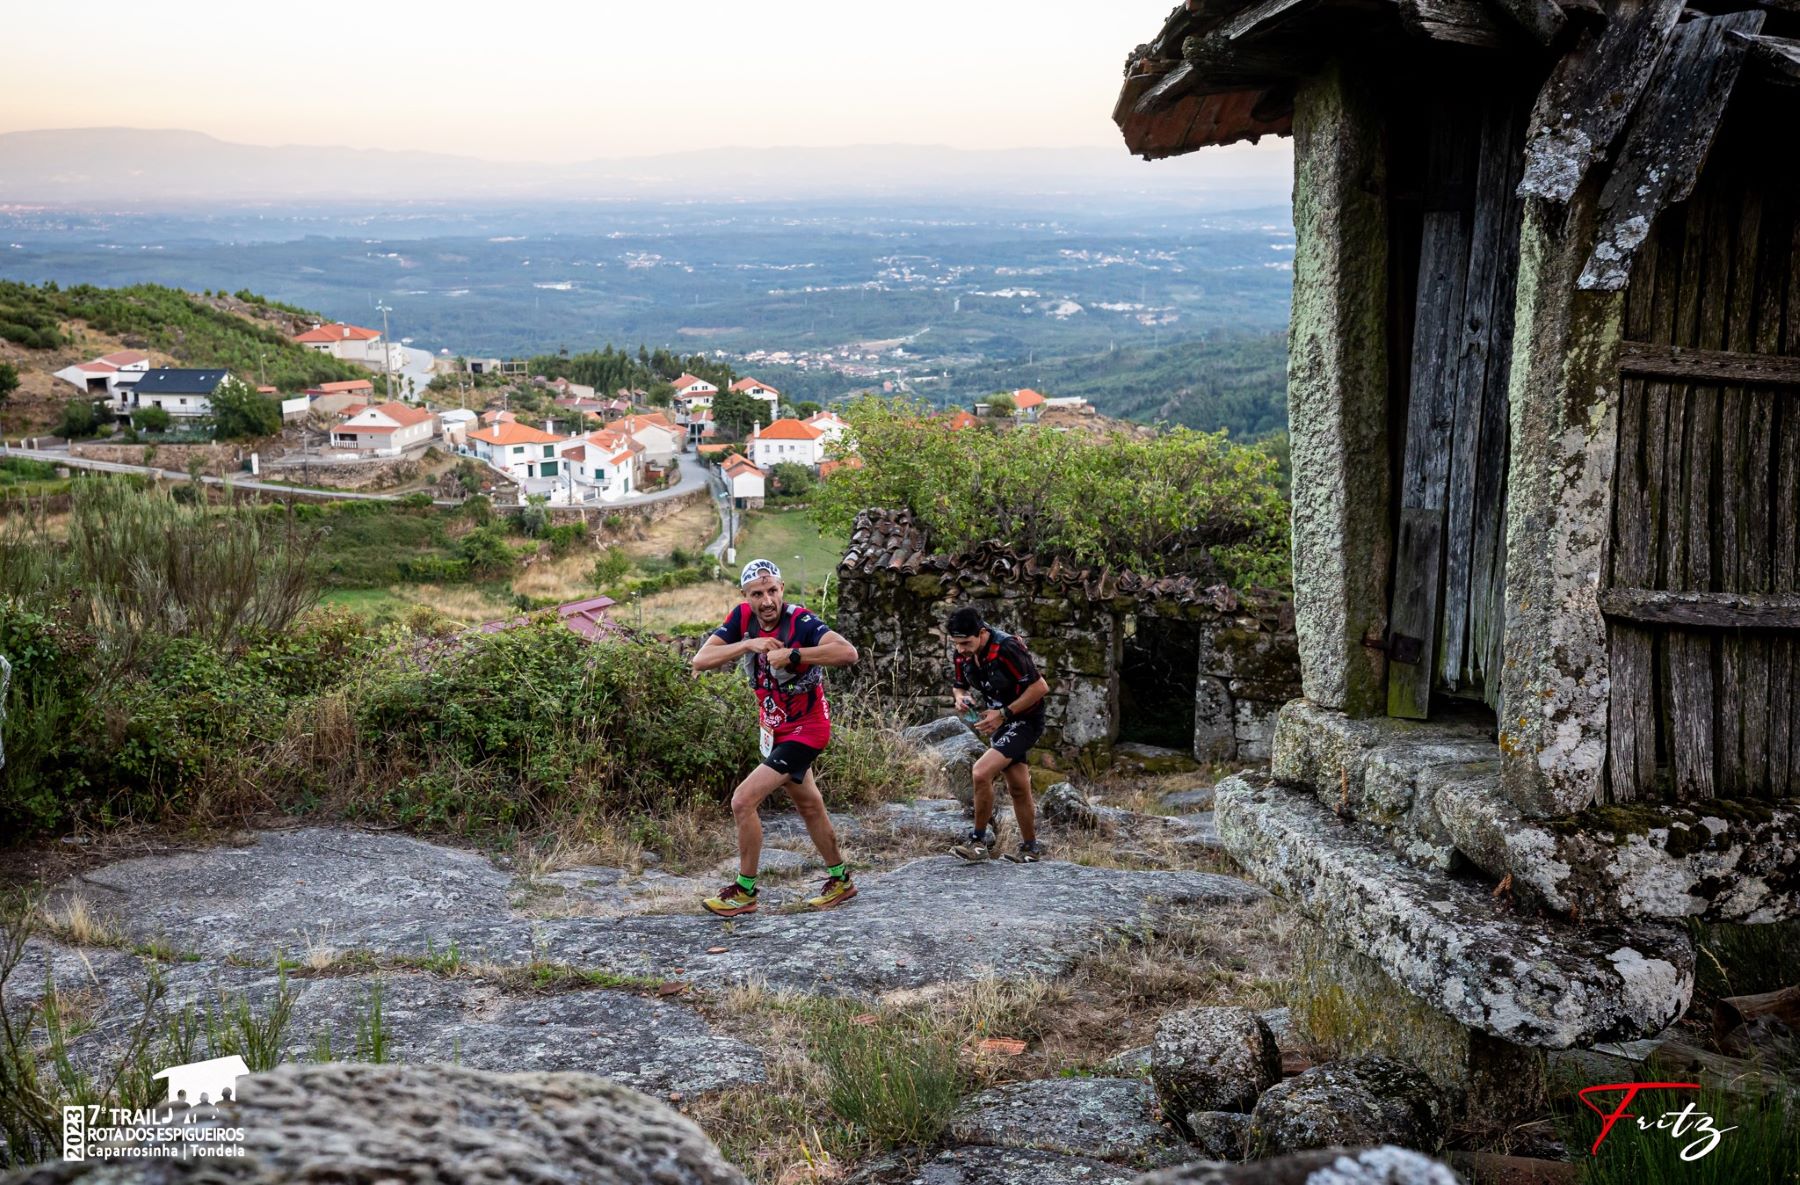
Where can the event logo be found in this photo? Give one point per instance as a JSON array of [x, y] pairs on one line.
[[188, 1125], [1679, 1124]]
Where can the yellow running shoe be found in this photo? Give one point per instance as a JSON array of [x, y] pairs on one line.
[[732, 900], [838, 890]]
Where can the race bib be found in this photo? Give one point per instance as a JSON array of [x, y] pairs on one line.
[[768, 741]]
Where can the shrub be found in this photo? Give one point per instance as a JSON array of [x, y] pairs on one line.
[[611, 567], [565, 538], [417, 501], [80, 419], [151, 419], [893, 1082], [486, 552], [239, 413], [534, 517]]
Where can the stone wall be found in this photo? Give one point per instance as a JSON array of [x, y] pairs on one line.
[[895, 612], [216, 460]]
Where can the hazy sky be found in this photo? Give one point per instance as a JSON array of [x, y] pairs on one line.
[[532, 80]]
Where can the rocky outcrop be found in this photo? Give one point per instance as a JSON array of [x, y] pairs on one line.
[[1100, 1118], [1219, 1135], [1066, 806], [982, 1165], [1386, 1165], [1354, 1103], [1527, 980], [366, 1124], [1212, 1059]]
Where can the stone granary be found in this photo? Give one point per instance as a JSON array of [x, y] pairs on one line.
[[1544, 396], [1173, 661]]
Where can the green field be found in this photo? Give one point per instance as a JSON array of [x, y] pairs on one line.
[[790, 539]]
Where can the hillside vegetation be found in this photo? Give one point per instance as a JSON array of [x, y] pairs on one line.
[[254, 343]]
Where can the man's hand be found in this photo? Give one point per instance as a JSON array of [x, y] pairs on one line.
[[990, 722], [778, 659], [761, 644], [963, 699]]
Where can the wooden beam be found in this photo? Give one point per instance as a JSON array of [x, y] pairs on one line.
[[1775, 58], [1590, 94], [1460, 22], [1668, 141], [1173, 86], [1703, 610], [1653, 361], [1541, 19]]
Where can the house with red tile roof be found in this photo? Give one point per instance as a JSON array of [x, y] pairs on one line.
[[660, 439], [759, 390], [350, 342], [108, 377], [518, 450], [747, 483], [385, 430], [787, 440], [831, 424], [962, 419], [603, 466]]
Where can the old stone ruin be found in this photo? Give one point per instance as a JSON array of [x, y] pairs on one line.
[[1171, 662], [1544, 396]]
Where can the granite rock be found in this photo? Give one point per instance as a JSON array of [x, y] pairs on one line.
[[1212, 1059], [1354, 1103]]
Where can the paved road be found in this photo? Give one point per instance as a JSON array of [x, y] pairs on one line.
[[693, 474]]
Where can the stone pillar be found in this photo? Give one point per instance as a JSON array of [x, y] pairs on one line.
[[1564, 394], [1338, 393]]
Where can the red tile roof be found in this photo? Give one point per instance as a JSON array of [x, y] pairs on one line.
[[963, 419], [337, 331], [789, 429], [746, 383], [345, 386], [688, 380], [513, 432], [737, 463], [1025, 397], [124, 358]]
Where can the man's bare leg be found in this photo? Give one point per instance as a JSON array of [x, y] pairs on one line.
[[811, 805], [987, 767], [756, 786], [1018, 784]]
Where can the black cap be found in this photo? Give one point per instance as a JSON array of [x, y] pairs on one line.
[[965, 622]]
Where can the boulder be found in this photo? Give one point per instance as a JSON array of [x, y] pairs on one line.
[[981, 1165], [1102, 1118], [1066, 806], [1353, 1103], [1213, 1059], [953, 760], [1151, 760], [1219, 1135], [1386, 1165], [930, 735], [357, 1123]]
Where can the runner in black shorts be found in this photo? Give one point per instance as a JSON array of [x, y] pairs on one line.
[[994, 671]]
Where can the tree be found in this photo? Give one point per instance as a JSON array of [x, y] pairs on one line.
[[736, 413], [807, 407], [153, 418], [239, 413], [80, 419], [9, 380], [791, 480], [1000, 403]]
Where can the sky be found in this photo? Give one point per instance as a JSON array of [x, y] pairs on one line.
[[528, 80]]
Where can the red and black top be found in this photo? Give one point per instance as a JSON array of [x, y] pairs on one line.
[[1000, 671], [790, 704]]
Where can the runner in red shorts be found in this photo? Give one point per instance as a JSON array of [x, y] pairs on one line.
[[786, 649]]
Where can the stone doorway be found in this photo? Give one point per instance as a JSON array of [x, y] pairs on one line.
[[1158, 672]]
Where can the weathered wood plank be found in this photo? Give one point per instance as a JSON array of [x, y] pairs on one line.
[[1589, 95], [1703, 610], [1742, 721], [1668, 139], [1488, 253], [1542, 20], [1443, 271], [1785, 543], [1775, 58], [1459, 22], [1487, 577], [1694, 690], [1654, 360], [1631, 716]]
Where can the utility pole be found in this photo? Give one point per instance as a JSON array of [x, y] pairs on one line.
[[387, 350]]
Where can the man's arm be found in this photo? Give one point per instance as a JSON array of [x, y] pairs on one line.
[[1028, 699], [715, 652], [831, 650]]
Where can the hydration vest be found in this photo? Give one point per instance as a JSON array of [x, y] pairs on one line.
[[809, 683]]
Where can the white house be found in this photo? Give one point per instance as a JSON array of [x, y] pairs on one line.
[[386, 430], [787, 440], [759, 390], [830, 425], [660, 439], [109, 376], [352, 343], [456, 424], [692, 392], [744, 480], [183, 393], [1027, 403], [601, 466], [517, 450]]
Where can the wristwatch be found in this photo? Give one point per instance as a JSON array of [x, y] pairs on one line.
[[794, 659]]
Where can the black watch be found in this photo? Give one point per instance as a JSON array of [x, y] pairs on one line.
[[794, 659]]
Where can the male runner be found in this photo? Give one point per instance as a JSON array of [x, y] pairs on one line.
[[788, 649], [994, 671]]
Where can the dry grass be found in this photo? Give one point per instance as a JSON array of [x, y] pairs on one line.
[[567, 577], [464, 603], [708, 602], [75, 922], [692, 527]]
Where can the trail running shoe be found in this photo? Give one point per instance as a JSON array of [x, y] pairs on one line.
[[732, 900], [975, 849], [838, 890], [1028, 853]]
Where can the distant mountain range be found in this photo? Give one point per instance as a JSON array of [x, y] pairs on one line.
[[115, 166]]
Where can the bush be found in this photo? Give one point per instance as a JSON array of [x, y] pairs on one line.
[[534, 517], [565, 538], [892, 1083], [486, 552], [151, 419], [791, 480], [80, 419], [611, 567], [239, 413], [416, 501]]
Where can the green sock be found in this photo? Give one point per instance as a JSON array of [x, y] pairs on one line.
[[838, 872], [746, 883]]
